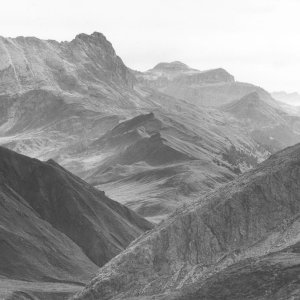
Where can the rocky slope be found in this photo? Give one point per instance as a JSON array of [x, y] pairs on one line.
[[209, 88], [240, 241], [54, 226]]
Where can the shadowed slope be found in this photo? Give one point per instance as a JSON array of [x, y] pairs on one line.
[[99, 225], [31, 249]]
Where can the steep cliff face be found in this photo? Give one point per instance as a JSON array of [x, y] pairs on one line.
[[87, 61], [254, 215]]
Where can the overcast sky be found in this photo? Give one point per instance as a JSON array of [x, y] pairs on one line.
[[258, 41]]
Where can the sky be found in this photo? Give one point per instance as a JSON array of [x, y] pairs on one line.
[[258, 41]]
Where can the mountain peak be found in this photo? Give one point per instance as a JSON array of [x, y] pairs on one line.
[[95, 37], [33, 64], [172, 66], [252, 107], [251, 98]]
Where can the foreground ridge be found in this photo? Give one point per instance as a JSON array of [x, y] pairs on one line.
[[54, 226], [244, 231]]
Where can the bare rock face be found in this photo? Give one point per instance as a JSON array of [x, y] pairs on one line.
[[273, 276], [87, 61], [244, 228]]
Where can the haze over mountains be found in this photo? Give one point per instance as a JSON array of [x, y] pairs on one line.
[[153, 141], [288, 98], [63, 101]]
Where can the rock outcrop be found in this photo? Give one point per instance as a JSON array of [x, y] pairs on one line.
[[243, 231]]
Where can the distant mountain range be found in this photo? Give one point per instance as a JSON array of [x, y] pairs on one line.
[[288, 98], [153, 141], [209, 87], [67, 101]]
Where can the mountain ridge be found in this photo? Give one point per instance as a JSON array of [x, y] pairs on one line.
[[255, 215], [54, 226]]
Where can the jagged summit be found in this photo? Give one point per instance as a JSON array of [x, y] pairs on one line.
[[96, 37], [87, 63]]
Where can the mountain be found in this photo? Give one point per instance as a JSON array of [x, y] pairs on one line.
[[153, 162], [288, 98], [240, 241], [251, 107], [28, 63], [150, 141], [269, 126], [152, 170], [172, 150], [56, 227], [214, 87]]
